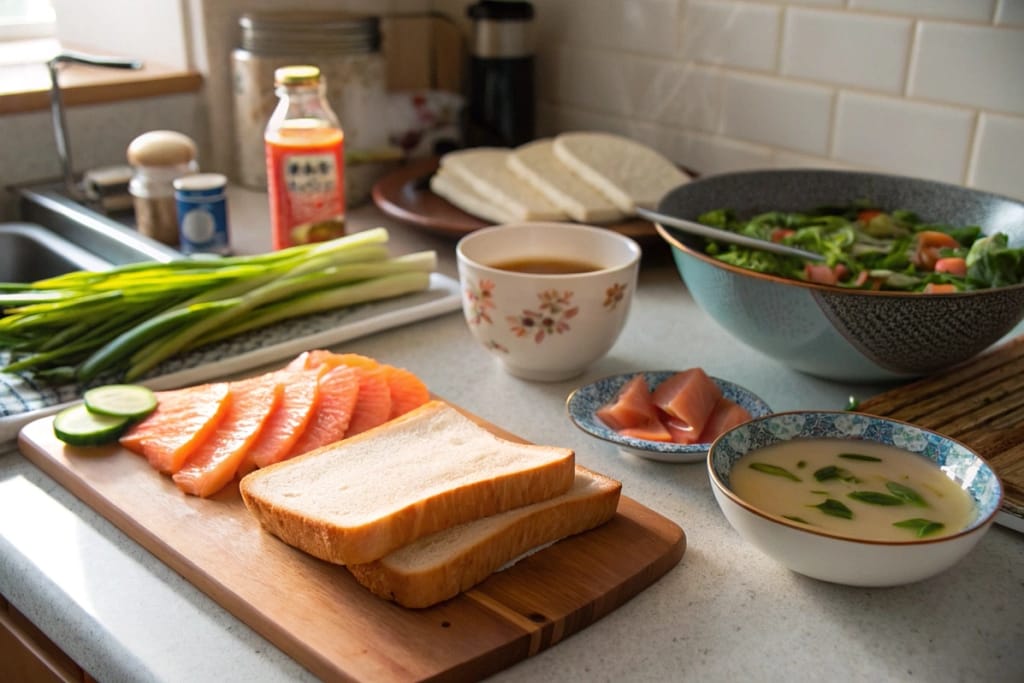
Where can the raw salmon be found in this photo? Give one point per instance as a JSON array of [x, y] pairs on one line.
[[632, 406], [338, 389], [373, 405], [688, 398], [407, 390], [215, 462], [183, 419], [286, 424], [726, 415]]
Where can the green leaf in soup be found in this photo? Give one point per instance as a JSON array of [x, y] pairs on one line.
[[830, 472], [906, 494], [834, 508], [921, 527], [860, 456], [875, 498], [774, 470]]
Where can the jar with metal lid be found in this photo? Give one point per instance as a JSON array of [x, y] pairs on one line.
[[158, 158], [347, 49]]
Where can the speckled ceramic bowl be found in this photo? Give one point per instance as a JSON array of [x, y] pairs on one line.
[[583, 403], [838, 559], [836, 333]]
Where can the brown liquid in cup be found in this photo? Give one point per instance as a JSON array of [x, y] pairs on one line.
[[546, 266]]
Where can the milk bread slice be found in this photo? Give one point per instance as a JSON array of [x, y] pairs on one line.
[[536, 163], [442, 565], [486, 170], [629, 173], [446, 184], [357, 500]]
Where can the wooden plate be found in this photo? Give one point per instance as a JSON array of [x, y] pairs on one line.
[[405, 194]]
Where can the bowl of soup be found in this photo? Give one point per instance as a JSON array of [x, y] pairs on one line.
[[852, 498]]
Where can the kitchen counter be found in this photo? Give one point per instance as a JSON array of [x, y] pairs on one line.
[[725, 613]]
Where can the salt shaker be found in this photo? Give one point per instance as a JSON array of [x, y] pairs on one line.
[[158, 158]]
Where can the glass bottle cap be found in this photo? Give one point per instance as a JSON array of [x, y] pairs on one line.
[[297, 75]]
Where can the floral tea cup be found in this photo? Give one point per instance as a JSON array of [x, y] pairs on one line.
[[547, 299]]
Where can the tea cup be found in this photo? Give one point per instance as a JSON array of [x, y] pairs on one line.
[[547, 299]]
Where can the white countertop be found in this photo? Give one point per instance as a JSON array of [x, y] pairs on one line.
[[725, 613]]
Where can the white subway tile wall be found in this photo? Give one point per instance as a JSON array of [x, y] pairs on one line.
[[928, 88]]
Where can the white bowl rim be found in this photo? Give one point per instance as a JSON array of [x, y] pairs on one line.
[[725, 490], [583, 229]]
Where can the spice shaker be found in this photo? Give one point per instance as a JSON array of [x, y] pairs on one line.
[[500, 102], [158, 158]]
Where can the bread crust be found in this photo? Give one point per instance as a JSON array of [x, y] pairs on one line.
[[417, 576], [309, 527]]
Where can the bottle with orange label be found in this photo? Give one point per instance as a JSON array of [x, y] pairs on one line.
[[305, 161]]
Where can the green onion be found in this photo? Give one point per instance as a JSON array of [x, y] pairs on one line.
[[127, 320]]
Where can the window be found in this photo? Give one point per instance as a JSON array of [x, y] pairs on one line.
[[21, 19]]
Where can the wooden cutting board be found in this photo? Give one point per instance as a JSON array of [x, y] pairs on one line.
[[979, 403], [320, 616]]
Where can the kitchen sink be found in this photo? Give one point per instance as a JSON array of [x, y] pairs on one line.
[[114, 242], [30, 252]]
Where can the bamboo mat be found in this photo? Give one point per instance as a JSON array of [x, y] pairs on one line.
[[979, 403]]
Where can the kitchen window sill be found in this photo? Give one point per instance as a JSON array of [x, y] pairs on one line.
[[25, 85]]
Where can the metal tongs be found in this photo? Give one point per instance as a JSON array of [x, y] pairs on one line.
[[57, 106], [726, 236]]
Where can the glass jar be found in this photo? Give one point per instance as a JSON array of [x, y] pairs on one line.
[[346, 48]]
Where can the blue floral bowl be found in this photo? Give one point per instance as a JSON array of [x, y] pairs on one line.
[[835, 333], [582, 406], [839, 559]]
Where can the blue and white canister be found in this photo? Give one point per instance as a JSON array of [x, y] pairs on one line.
[[202, 213]]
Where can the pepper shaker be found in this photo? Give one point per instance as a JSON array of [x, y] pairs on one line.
[[158, 158]]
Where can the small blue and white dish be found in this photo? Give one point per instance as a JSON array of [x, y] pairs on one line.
[[583, 404]]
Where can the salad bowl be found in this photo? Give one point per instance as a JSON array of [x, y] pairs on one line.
[[842, 333]]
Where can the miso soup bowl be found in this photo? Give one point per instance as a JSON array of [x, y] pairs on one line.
[[838, 559]]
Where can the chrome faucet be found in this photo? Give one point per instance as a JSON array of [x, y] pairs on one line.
[[57, 106]]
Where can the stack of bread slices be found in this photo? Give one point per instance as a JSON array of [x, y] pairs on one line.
[[428, 505], [587, 177]]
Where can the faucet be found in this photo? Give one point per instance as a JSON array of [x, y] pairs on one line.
[[57, 105]]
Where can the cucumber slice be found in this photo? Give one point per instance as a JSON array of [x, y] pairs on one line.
[[79, 426], [121, 400]]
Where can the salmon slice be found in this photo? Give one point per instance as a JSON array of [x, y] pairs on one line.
[[688, 397], [339, 389], [407, 390], [216, 461], [319, 357], [182, 421], [633, 414], [286, 424], [632, 406], [726, 415], [373, 405]]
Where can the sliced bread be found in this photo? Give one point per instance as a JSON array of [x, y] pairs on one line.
[[359, 499], [442, 565], [486, 170], [448, 185], [629, 173], [536, 163]]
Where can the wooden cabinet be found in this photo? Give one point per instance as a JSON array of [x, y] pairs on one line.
[[28, 656]]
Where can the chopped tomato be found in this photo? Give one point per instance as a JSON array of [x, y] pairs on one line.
[[780, 234], [954, 265], [864, 279], [823, 275], [866, 215], [939, 288], [935, 238]]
